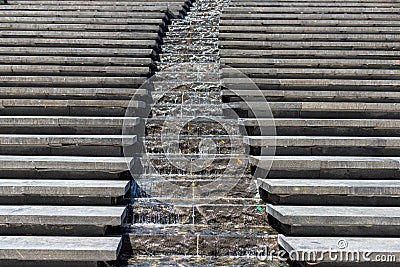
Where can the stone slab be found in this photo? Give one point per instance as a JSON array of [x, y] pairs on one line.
[[354, 96], [59, 248], [325, 162], [62, 215], [72, 81], [78, 60], [73, 92], [331, 187], [302, 247], [76, 51], [90, 188], [323, 53], [331, 216], [64, 163], [325, 141], [299, 122], [61, 140]]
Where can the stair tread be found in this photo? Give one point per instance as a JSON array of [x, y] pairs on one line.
[[73, 163], [92, 188], [306, 245], [334, 215], [301, 122], [331, 187], [345, 141], [61, 215], [59, 248]]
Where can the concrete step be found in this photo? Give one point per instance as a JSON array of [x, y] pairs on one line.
[[313, 249], [101, 3], [54, 70], [352, 167], [320, 73], [71, 93], [76, 60], [318, 109], [62, 192], [313, 32], [57, 52], [332, 53], [324, 127], [89, 250], [133, 7], [84, 14], [324, 145], [310, 16], [64, 124], [335, 221], [80, 34], [339, 192], [64, 167], [300, 95], [79, 42], [309, 36], [257, 65], [72, 81], [60, 220], [68, 145], [312, 4], [317, 45], [311, 10], [318, 83], [318, 23], [66, 26], [35, 20]]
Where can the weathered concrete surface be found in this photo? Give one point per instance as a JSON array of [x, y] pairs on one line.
[[331, 187], [326, 162], [343, 141], [77, 188], [62, 215], [306, 246], [59, 248]]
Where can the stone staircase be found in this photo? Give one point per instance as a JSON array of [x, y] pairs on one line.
[[330, 73], [68, 71]]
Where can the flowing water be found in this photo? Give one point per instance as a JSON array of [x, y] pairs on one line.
[[194, 149], [196, 197]]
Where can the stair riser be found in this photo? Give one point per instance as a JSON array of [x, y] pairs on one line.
[[328, 151], [345, 114], [62, 200], [327, 131], [70, 111], [340, 231], [67, 150], [207, 214], [52, 230], [63, 174], [336, 200], [366, 173], [192, 244]]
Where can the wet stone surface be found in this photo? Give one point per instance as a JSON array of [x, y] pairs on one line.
[[191, 142]]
